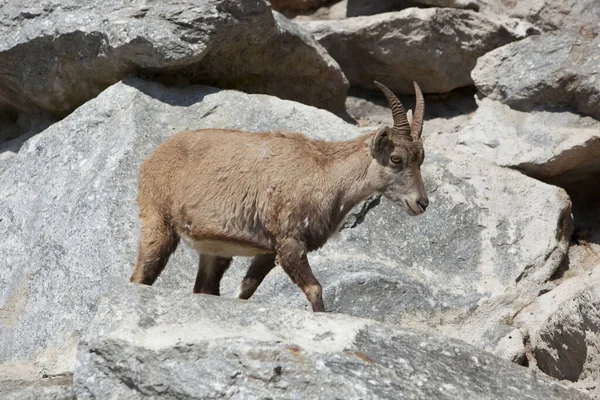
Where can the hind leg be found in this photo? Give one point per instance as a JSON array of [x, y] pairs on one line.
[[259, 268], [157, 242], [210, 272]]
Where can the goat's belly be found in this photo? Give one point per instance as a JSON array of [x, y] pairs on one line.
[[225, 248]]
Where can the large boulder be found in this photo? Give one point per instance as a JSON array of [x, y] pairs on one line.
[[558, 147], [567, 345], [68, 220], [550, 70], [56, 56], [146, 343], [414, 45], [548, 15], [563, 327]]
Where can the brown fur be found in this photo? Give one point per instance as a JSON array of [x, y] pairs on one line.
[[263, 194]]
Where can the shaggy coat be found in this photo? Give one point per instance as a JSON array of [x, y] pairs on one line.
[[271, 195]]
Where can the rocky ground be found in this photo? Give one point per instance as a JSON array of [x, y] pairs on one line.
[[493, 293]]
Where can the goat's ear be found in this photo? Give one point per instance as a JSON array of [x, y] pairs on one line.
[[380, 140], [409, 116]]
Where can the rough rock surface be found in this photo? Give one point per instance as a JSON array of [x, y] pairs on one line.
[[554, 69], [567, 345], [564, 329], [414, 45], [547, 14], [370, 7], [68, 197], [558, 147], [58, 388], [56, 55], [145, 342]]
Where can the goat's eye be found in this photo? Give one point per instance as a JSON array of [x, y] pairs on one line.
[[396, 159]]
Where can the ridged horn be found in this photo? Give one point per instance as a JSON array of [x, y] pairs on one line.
[[417, 124], [401, 125]]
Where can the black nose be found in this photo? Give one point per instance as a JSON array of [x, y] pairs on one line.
[[423, 202]]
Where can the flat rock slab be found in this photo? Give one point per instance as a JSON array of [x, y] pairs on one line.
[[57, 388], [69, 225], [147, 343], [414, 45], [558, 69], [58, 55], [558, 147]]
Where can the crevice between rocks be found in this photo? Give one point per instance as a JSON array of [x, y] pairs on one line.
[[356, 218]]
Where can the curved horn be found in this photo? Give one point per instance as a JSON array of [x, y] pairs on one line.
[[417, 124], [401, 124]]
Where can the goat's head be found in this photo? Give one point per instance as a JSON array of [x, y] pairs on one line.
[[399, 154]]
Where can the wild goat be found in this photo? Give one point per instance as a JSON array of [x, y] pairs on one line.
[[229, 193]]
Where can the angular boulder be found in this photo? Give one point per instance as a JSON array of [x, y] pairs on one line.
[[55, 57], [68, 220], [563, 325], [147, 343], [558, 69], [548, 15], [567, 345], [558, 147], [414, 45]]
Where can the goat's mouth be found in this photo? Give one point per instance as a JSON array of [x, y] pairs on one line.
[[412, 208]]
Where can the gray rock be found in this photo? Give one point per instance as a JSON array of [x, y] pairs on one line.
[[547, 14], [564, 328], [68, 220], [56, 388], [558, 147], [562, 324], [369, 7], [512, 347], [414, 44], [57, 55], [567, 346], [550, 70], [146, 343]]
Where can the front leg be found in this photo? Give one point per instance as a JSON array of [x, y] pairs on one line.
[[293, 260]]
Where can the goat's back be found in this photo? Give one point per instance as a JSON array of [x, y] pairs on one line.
[[235, 184]]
